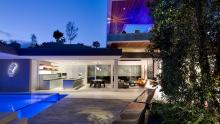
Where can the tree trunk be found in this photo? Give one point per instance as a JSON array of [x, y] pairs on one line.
[[217, 64], [203, 53]]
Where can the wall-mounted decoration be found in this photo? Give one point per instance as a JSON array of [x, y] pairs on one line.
[[12, 69]]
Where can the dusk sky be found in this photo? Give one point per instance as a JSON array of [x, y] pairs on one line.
[[21, 18]]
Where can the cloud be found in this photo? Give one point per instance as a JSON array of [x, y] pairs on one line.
[[5, 33]]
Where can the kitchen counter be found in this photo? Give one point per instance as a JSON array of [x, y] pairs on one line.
[[49, 84], [53, 79], [72, 83]]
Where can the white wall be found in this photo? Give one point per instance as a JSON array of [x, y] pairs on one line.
[[72, 71]]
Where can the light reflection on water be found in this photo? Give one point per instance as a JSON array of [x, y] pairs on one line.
[[27, 104]]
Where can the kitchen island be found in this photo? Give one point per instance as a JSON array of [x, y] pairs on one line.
[[72, 83], [61, 83]]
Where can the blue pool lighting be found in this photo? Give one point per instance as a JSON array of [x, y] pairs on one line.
[[27, 105]]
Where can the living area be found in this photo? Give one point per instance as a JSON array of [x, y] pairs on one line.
[[75, 74], [137, 73]]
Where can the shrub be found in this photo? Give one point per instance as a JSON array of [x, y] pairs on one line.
[[181, 114]]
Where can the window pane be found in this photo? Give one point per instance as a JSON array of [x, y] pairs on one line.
[[102, 72], [91, 70], [129, 72]]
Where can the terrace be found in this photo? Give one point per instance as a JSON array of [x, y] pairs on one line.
[[85, 106]]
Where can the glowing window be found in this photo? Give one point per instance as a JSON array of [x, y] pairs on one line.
[[143, 28]]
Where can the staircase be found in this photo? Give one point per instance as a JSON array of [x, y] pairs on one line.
[[11, 118]]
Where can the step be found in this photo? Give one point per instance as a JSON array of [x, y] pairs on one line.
[[6, 117], [19, 121], [130, 115], [127, 121]]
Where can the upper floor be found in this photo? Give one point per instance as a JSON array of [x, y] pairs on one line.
[[129, 24]]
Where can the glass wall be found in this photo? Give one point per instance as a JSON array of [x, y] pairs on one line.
[[150, 69], [129, 72], [99, 72]]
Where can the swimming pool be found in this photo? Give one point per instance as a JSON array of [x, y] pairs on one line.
[[27, 104]]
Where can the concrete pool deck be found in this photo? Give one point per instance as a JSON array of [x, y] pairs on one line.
[[87, 106]]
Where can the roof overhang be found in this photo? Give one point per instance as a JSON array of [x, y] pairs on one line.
[[71, 57], [132, 44], [60, 54], [69, 52], [136, 55]]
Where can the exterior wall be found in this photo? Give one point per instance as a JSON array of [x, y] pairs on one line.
[[19, 82]]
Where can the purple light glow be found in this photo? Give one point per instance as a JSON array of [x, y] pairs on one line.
[[131, 12]]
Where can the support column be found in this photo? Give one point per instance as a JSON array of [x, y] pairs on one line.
[[34, 81], [145, 69], [115, 85], [153, 68], [95, 71], [86, 75], [112, 75], [142, 69]]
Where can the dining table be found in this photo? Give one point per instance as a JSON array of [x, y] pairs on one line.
[[97, 83]]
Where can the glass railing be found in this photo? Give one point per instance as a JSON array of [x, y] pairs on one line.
[[128, 37]]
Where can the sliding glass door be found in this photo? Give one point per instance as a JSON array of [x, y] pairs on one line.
[[129, 72], [99, 72]]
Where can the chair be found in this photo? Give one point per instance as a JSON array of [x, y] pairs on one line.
[[91, 82], [122, 84], [141, 82], [102, 83], [132, 83]]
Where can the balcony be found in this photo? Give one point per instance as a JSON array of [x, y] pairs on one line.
[[128, 37]]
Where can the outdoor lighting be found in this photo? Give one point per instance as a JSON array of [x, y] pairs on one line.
[[12, 69], [99, 69]]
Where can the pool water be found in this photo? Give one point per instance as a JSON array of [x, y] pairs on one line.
[[27, 105]]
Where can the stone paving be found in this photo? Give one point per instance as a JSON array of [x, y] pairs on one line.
[[87, 106], [81, 111]]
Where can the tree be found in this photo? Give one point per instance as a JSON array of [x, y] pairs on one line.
[[57, 35], [33, 40], [180, 33], [96, 44], [14, 44], [214, 34], [2, 42], [71, 31], [62, 40], [187, 34]]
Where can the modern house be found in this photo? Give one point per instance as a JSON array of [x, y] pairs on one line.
[[129, 23]]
